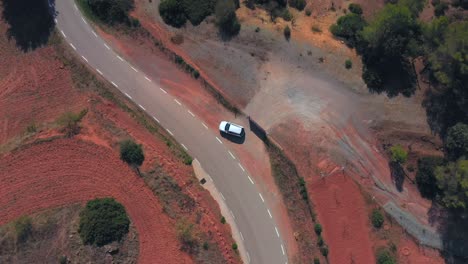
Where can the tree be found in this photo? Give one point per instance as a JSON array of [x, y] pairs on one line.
[[385, 257], [456, 142], [111, 11], [399, 154], [452, 180], [131, 152], [226, 18], [172, 13], [318, 229], [355, 8], [103, 221], [377, 218], [348, 27], [298, 4], [425, 177]]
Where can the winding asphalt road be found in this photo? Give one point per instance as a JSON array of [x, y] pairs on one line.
[[260, 235]]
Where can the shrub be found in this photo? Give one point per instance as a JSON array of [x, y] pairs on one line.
[[226, 18], [172, 13], [298, 4], [63, 260], [399, 154], [318, 229], [23, 228], [385, 257], [286, 15], [234, 246], [316, 28], [131, 152], [287, 32], [206, 246], [377, 218], [348, 27], [111, 11], [324, 250], [348, 64], [223, 220], [320, 241], [71, 122], [425, 177], [187, 235], [440, 8], [316, 260], [355, 8], [308, 12], [456, 141], [103, 221]]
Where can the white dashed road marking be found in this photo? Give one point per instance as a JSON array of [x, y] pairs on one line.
[[142, 107], [242, 237], [175, 100], [126, 94], [65, 36], [73, 46], [277, 233], [248, 257], [230, 153], [269, 213], [250, 179], [261, 197], [282, 248], [222, 196], [242, 168], [169, 132], [164, 91], [84, 58], [190, 113], [184, 146], [120, 58], [75, 6], [100, 72], [107, 46], [204, 125], [134, 69], [156, 119], [94, 33], [233, 216], [84, 20], [219, 140], [148, 79], [113, 83]]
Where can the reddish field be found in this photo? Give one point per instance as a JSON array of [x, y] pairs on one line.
[[67, 171]]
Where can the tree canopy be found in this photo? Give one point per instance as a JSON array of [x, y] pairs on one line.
[[226, 18], [131, 152], [456, 142], [111, 11], [452, 179]]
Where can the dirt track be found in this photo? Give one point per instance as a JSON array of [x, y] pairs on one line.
[[45, 171]]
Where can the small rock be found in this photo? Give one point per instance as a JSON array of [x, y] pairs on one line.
[[111, 249]]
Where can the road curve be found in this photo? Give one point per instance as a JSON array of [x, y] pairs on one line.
[[262, 239]]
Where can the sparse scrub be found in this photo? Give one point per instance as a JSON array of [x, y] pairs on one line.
[[187, 236], [385, 257], [71, 122], [303, 189], [377, 218], [23, 228], [286, 15], [103, 221], [316, 260], [348, 64], [32, 128], [131, 153], [316, 29], [320, 241]]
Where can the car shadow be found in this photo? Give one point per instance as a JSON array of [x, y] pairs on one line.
[[234, 139]]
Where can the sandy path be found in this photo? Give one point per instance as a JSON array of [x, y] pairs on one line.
[[65, 171]]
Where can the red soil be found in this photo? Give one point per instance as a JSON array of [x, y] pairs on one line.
[[343, 215], [41, 176]]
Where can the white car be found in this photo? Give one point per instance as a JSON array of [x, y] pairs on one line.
[[231, 129]]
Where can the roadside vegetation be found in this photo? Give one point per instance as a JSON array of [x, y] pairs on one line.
[[131, 153], [111, 12]]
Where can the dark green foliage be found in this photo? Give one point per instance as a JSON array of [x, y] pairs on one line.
[[234, 246], [287, 32], [226, 18], [355, 8], [197, 10], [324, 250], [452, 180], [111, 11], [348, 27], [385, 257], [348, 64], [187, 236], [320, 241], [103, 221], [298, 4], [456, 142], [172, 13], [63, 260], [434, 32], [399, 154], [131, 152], [318, 228], [425, 177], [23, 228], [460, 3], [440, 8], [303, 189], [316, 260], [223, 220], [30, 22], [206, 246], [308, 12], [377, 218], [71, 122]]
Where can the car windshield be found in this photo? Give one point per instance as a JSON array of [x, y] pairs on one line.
[[227, 127]]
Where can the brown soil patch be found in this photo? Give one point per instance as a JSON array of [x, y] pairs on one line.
[[41, 177]]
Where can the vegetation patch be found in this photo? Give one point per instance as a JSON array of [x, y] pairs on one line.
[[131, 153], [111, 12], [23, 228], [377, 218]]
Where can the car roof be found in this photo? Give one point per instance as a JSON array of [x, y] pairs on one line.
[[233, 128]]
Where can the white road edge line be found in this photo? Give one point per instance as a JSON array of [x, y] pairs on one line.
[[233, 216], [55, 20], [94, 33], [113, 83], [242, 237], [148, 79], [269, 213], [177, 102], [84, 20], [120, 58], [144, 109], [222, 196], [106, 46], [100, 72], [184, 146], [204, 125], [241, 167], [84, 58], [126, 94], [155, 119], [261, 197], [248, 257], [134, 69], [277, 233], [282, 249], [164, 91], [169, 132], [230, 153], [250, 179], [73, 46], [75, 6], [65, 36], [190, 113], [219, 140]]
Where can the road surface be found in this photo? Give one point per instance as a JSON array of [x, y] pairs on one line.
[[259, 231]]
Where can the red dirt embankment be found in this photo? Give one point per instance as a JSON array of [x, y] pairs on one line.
[[66, 171]]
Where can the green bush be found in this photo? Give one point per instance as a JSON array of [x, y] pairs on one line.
[[320, 241], [298, 4], [355, 8], [425, 177], [316, 260], [452, 180], [377, 218], [103, 221], [348, 64], [286, 15], [348, 27], [456, 141], [385, 257], [172, 13], [23, 228], [234, 246], [71, 122], [324, 250], [111, 11], [440, 8], [308, 12], [223, 220], [318, 229], [131, 152], [287, 32], [226, 18], [399, 154]]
